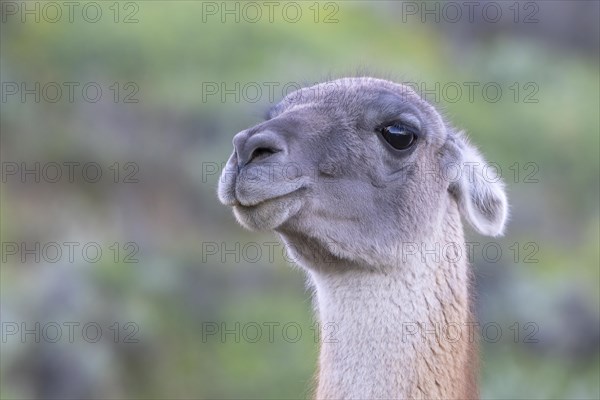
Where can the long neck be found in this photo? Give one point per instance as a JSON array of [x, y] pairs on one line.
[[397, 332]]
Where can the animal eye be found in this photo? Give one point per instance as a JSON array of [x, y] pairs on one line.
[[400, 136]]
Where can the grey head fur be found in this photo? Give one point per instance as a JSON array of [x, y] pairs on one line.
[[319, 173]]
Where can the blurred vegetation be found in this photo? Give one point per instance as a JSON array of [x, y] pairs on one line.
[[174, 131]]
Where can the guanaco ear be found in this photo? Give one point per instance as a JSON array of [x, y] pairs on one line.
[[477, 188]]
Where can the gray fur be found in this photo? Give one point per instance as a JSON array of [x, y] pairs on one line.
[[334, 183]]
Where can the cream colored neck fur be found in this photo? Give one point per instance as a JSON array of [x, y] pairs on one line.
[[401, 332]]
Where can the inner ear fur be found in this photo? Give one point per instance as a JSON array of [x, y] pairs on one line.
[[480, 196]]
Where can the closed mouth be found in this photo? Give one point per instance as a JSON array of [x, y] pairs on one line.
[[252, 205]]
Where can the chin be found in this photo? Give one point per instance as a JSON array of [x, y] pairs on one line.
[[268, 215]]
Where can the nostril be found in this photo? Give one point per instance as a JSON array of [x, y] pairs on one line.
[[257, 147], [260, 153]]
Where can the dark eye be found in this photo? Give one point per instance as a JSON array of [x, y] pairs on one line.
[[400, 136]]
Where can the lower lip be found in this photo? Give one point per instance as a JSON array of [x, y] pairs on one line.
[[240, 205]]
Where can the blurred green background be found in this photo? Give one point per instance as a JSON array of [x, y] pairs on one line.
[[158, 64]]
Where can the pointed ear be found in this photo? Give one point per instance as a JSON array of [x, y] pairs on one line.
[[478, 190]]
